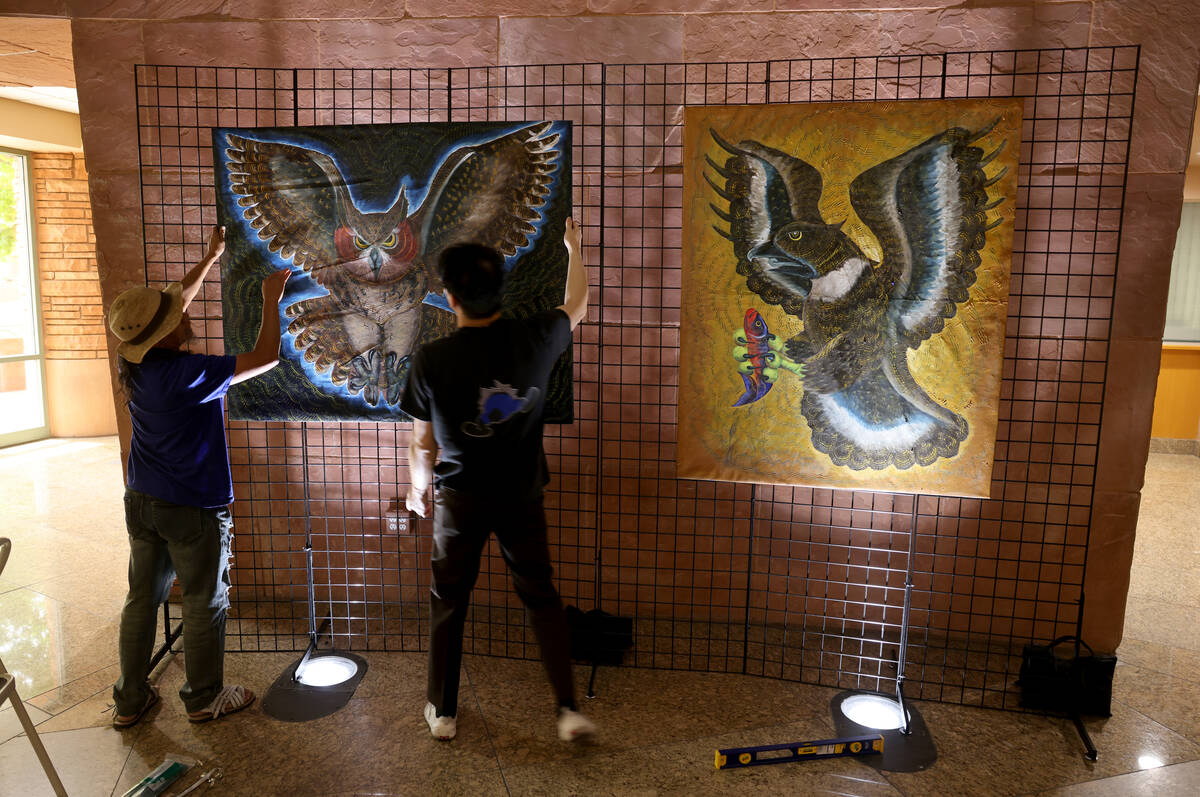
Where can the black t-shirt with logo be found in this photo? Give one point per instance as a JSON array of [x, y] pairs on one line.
[[484, 389]]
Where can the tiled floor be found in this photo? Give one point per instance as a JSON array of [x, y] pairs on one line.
[[60, 598]]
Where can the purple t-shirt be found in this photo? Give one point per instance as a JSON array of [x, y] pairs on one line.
[[177, 452]]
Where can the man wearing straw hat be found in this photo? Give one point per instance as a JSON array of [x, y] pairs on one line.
[[178, 485]]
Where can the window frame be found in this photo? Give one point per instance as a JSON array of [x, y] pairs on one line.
[[35, 294]]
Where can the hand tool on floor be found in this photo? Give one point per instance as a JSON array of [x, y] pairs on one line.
[[160, 779], [209, 778], [737, 757]]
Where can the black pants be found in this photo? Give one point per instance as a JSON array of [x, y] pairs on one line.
[[461, 525]]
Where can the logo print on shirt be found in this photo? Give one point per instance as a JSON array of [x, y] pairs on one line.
[[497, 404]]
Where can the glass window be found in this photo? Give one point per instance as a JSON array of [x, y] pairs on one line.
[[1183, 297], [22, 400]]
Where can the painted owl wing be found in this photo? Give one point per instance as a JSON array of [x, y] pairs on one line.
[[764, 189], [928, 208], [490, 193], [291, 196]]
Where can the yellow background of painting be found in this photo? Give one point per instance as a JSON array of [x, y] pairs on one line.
[[769, 440]]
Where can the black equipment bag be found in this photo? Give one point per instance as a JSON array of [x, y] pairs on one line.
[[599, 637], [1081, 684]]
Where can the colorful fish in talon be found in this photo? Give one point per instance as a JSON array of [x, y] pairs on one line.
[[759, 357]]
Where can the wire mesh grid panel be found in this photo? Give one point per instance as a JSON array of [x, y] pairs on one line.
[[809, 584], [790, 582], [340, 486]]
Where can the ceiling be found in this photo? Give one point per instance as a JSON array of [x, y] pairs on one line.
[[60, 98]]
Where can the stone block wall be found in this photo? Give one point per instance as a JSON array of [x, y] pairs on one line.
[[78, 390], [72, 314], [311, 33]]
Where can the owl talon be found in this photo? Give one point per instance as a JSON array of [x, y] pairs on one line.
[[394, 376], [362, 375]]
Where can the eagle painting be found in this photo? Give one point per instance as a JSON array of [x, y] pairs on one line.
[[372, 294], [865, 308]]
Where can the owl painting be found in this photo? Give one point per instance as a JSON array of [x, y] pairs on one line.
[[860, 289], [363, 213]]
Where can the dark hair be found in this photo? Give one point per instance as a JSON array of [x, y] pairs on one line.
[[474, 275], [126, 372]]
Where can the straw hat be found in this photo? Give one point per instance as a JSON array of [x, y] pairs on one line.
[[141, 317]]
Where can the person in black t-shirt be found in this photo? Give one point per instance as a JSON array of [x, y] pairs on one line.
[[477, 396]]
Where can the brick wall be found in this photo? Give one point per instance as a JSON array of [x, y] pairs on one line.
[[72, 313]]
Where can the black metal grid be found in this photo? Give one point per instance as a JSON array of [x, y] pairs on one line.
[[789, 582]]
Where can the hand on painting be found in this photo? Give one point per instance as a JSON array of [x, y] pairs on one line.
[[272, 287], [216, 243], [417, 502], [572, 236]]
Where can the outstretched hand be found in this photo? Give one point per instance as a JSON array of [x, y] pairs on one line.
[[417, 502], [272, 286], [216, 243], [573, 235]]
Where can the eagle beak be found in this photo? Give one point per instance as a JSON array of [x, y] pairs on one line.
[[775, 259]]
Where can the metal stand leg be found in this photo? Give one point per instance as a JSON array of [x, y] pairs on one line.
[[314, 633], [591, 692], [902, 655], [1092, 754], [169, 635]]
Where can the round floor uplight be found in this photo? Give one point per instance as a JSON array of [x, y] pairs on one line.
[[873, 711], [327, 671]]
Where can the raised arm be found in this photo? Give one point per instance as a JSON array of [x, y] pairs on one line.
[[422, 453], [265, 355], [193, 279], [575, 303]]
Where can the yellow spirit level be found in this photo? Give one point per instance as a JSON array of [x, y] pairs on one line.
[[735, 757]]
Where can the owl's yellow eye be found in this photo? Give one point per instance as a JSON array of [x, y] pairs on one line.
[[795, 235], [389, 242], [359, 242]]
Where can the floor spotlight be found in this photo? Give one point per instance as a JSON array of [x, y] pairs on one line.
[[873, 711], [326, 671], [316, 685], [907, 743]]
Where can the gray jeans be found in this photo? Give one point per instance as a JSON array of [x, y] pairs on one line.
[[168, 540]]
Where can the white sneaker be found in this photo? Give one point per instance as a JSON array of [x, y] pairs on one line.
[[442, 728], [573, 726]]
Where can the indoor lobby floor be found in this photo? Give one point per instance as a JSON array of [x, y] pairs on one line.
[[60, 599]]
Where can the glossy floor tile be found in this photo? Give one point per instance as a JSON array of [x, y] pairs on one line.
[[60, 600], [10, 723], [1181, 779]]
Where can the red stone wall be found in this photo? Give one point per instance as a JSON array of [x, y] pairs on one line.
[[474, 32], [72, 313]]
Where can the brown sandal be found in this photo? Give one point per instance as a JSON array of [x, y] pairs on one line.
[[121, 722]]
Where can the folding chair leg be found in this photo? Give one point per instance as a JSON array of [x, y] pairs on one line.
[[35, 740]]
